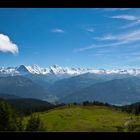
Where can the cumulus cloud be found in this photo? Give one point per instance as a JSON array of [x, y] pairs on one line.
[[6, 45], [57, 30]]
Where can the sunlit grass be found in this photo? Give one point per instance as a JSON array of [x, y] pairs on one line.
[[85, 118]]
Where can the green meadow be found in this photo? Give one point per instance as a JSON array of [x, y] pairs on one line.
[[88, 119]]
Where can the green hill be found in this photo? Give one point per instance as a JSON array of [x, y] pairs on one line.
[[87, 118]]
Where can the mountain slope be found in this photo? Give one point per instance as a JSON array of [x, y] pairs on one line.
[[118, 91], [9, 96], [66, 86], [29, 102], [21, 86]]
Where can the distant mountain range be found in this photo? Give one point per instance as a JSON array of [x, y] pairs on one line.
[[117, 91], [63, 84], [58, 70]]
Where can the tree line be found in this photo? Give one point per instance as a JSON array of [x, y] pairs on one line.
[[12, 117], [10, 120]]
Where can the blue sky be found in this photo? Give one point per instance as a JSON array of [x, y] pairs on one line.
[[75, 37]]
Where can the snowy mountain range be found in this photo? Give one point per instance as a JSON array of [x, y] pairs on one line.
[[58, 70], [64, 84]]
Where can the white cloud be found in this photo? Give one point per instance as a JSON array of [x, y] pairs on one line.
[[111, 9], [135, 20], [88, 27], [57, 30], [117, 9], [127, 37], [85, 48], [135, 23], [90, 30], [126, 17], [122, 9], [107, 37], [6, 45], [119, 40], [93, 46]]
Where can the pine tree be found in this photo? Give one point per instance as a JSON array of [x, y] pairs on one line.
[[7, 117], [35, 124], [19, 122]]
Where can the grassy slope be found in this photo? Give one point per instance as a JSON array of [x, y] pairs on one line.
[[84, 118]]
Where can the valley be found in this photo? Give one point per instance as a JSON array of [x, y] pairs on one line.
[[67, 85], [70, 102], [70, 70]]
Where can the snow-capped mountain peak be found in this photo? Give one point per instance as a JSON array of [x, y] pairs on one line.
[[58, 70], [22, 69]]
